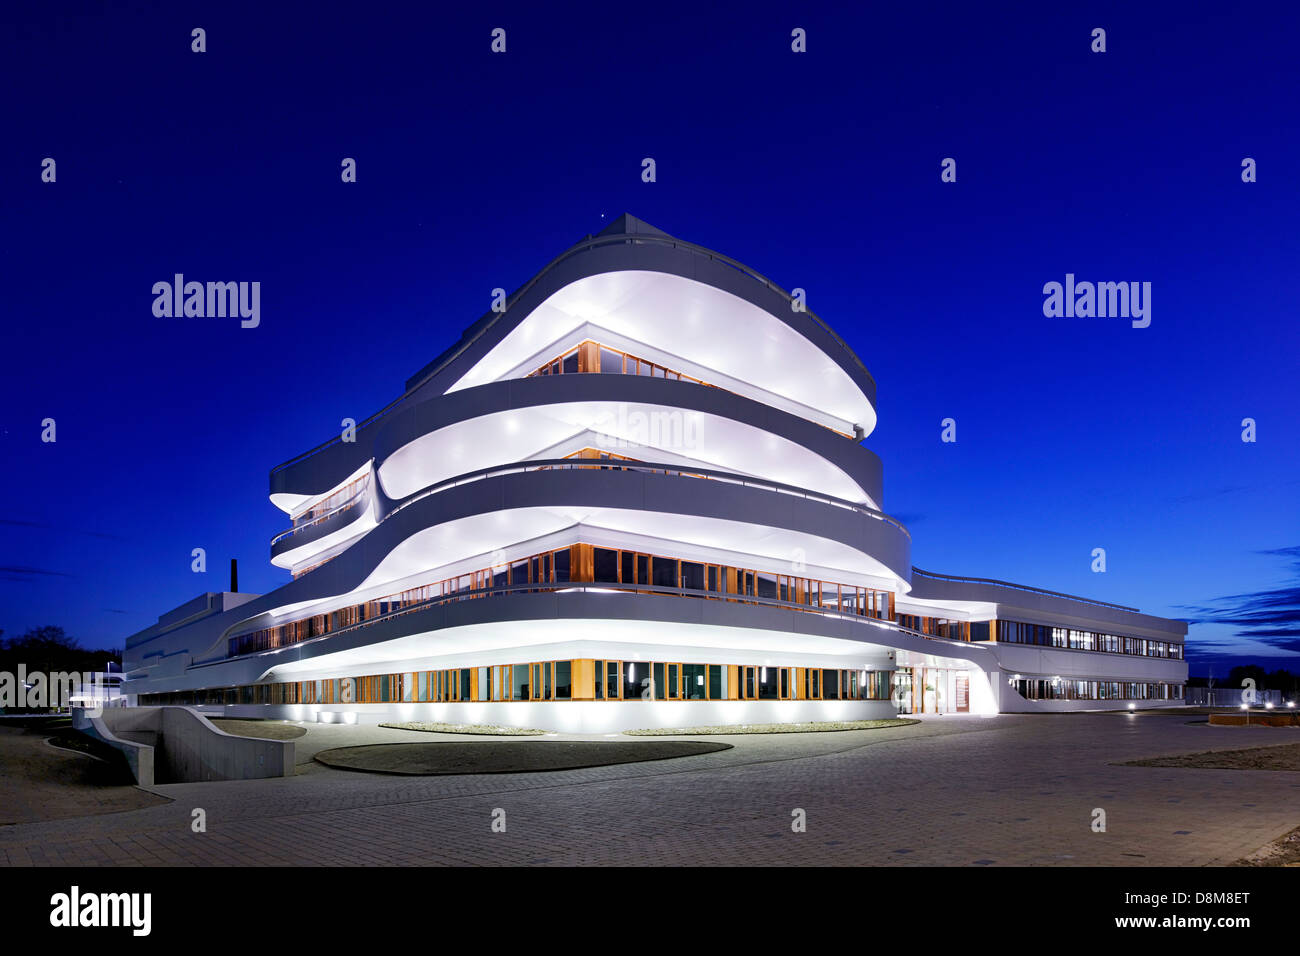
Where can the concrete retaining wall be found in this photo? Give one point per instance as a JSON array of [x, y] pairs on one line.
[[178, 745]]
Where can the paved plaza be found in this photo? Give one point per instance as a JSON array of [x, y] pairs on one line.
[[1012, 789]]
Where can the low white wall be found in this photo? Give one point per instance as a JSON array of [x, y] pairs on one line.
[[583, 717], [1013, 703]]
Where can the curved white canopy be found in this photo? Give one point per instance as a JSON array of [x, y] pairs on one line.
[[693, 328], [647, 432]]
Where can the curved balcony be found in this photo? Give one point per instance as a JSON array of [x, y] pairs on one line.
[[598, 255], [511, 420], [325, 530], [601, 601], [645, 468], [479, 512]]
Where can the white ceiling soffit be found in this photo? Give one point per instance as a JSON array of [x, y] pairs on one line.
[[453, 541], [646, 432], [715, 330], [642, 640], [295, 505]]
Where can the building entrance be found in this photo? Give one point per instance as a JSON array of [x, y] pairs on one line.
[[933, 690]]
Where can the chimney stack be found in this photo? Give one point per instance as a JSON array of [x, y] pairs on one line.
[[234, 575]]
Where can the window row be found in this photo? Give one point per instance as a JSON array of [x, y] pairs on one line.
[[588, 564], [1015, 632], [610, 565], [594, 680], [1059, 689], [590, 356], [942, 627]]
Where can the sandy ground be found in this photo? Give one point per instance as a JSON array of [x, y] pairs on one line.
[[40, 782], [437, 759], [1283, 757], [1281, 852]]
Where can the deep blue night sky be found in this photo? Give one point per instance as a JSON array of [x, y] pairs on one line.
[[820, 170]]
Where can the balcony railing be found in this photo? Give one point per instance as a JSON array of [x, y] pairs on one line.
[[1020, 587], [347, 505], [646, 467], [597, 587]]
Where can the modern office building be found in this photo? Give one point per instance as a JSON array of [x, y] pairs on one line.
[[636, 494]]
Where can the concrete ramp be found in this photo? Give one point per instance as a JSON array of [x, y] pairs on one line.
[[179, 745]]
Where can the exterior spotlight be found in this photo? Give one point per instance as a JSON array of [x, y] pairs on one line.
[[1290, 703], [1245, 706], [1132, 706], [1268, 705]]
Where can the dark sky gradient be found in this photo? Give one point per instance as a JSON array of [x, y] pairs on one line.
[[819, 170]]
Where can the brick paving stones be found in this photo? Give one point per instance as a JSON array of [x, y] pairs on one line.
[[1013, 789]]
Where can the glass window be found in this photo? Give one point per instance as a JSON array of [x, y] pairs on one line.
[[659, 681], [717, 682], [674, 675], [570, 362], [626, 560], [606, 564], [769, 687], [611, 680], [636, 680], [611, 362], [693, 575], [520, 682], [563, 680], [693, 682], [767, 585], [665, 572]]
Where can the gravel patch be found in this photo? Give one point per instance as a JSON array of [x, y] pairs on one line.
[[808, 727], [440, 759]]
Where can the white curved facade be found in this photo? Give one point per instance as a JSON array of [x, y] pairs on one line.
[[636, 497]]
